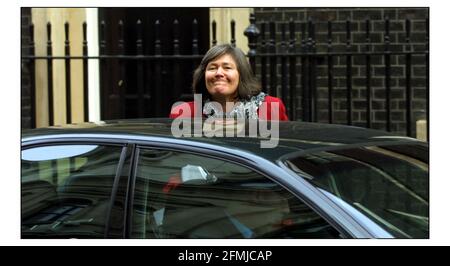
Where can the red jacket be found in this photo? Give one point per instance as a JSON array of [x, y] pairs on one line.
[[188, 109]]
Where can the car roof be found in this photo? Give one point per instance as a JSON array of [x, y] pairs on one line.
[[294, 136]]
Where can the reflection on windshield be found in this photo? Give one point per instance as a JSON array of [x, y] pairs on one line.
[[388, 184], [56, 152], [66, 190]]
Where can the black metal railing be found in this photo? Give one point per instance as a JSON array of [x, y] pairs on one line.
[[287, 68], [283, 83]]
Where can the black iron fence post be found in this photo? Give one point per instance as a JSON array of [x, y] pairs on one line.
[[292, 72], [103, 64], [176, 52], [311, 77], [32, 69], [85, 74], [195, 62], [284, 88], [68, 75], [157, 73], [233, 33], [214, 32], [140, 69], [195, 37], [273, 61], [50, 75], [330, 74], [122, 83], [263, 50], [252, 33], [304, 75]]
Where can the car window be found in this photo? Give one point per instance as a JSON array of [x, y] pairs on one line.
[[387, 184], [181, 195], [66, 190]]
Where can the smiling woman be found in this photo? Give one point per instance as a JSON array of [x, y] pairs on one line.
[[229, 89]]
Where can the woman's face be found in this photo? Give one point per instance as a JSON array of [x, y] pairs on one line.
[[222, 77]]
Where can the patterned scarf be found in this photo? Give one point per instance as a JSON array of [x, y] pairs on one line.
[[242, 108]]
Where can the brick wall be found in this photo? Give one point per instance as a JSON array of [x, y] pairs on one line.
[[357, 16], [25, 73]]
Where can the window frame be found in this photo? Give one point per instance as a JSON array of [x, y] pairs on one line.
[[124, 154], [227, 157]]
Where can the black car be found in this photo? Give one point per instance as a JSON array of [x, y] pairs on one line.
[[134, 179]]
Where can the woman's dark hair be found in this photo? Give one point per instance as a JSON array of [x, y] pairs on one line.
[[248, 84]]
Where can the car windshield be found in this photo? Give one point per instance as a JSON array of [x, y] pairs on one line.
[[387, 184]]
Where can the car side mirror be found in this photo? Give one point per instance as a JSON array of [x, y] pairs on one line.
[[195, 174]]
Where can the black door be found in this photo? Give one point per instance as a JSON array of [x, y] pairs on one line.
[[135, 88]]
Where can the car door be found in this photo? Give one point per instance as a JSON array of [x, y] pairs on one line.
[[180, 194], [73, 189]]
